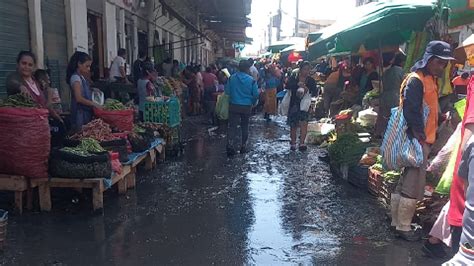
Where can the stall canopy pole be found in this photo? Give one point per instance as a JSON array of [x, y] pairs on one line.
[[381, 66]]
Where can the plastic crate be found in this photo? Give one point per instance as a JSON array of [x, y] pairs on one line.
[[374, 182], [386, 190], [168, 112]]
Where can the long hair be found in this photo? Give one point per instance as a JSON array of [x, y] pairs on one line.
[[77, 58]]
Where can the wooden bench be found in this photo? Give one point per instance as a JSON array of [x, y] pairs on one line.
[[96, 184], [19, 185]]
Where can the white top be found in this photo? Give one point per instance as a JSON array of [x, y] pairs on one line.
[[115, 67], [254, 72]]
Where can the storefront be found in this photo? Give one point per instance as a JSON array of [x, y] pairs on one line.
[[14, 36]]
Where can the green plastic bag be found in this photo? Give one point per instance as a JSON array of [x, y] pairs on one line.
[[460, 107], [222, 107], [444, 184]]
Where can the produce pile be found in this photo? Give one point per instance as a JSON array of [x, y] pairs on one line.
[[96, 129], [114, 105], [347, 149], [19, 100], [159, 130], [87, 147]]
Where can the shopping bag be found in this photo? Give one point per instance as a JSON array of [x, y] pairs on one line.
[[222, 107], [285, 104], [444, 184], [398, 150]]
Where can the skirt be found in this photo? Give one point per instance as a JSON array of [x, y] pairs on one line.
[[270, 106]]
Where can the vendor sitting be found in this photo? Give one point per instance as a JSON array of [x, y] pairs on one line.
[[145, 86], [22, 81]]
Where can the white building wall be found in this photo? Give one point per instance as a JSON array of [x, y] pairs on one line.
[[36, 31], [110, 36], [76, 22]]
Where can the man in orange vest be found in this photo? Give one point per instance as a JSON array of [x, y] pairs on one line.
[[419, 88]]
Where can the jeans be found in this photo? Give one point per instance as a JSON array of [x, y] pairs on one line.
[[239, 115]]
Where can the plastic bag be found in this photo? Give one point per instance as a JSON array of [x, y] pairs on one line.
[[24, 142], [440, 162], [444, 184], [398, 150], [222, 107], [284, 106], [119, 119]]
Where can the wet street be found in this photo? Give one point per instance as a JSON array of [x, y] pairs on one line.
[[268, 207]]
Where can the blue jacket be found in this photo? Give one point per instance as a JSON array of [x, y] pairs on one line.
[[242, 89]]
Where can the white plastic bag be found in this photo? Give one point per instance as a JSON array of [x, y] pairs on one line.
[[285, 104]]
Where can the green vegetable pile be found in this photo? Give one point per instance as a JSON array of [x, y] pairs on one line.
[[19, 100], [391, 176], [378, 165], [371, 95], [87, 147], [113, 105], [347, 149]]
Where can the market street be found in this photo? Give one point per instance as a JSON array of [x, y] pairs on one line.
[[268, 207]]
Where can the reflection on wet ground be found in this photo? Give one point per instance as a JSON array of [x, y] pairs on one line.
[[268, 207]]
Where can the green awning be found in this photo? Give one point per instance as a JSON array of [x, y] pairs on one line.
[[278, 46], [313, 36], [459, 12], [373, 25]]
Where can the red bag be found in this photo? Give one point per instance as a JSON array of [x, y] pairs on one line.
[[25, 142], [121, 120]]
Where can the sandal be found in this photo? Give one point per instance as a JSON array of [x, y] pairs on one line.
[[293, 147], [303, 147]]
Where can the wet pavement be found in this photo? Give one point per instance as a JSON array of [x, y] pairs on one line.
[[268, 207]]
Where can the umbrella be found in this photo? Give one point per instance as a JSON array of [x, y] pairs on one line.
[[466, 50], [278, 46]]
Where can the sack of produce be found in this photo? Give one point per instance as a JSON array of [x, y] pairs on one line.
[[116, 115], [118, 146], [87, 160], [139, 142], [25, 141]]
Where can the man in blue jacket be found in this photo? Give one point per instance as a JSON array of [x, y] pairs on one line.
[[243, 94]]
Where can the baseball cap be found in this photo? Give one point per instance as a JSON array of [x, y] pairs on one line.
[[437, 49]]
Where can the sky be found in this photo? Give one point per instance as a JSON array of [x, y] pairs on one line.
[[309, 9]]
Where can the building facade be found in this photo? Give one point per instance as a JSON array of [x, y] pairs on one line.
[[55, 29]]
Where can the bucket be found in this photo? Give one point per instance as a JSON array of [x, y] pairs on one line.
[[3, 228]]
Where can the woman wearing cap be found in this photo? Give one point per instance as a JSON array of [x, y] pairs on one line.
[[418, 88], [145, 86]]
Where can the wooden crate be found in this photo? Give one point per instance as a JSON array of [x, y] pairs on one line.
[[19, 185], [386, 190], [374, 182]]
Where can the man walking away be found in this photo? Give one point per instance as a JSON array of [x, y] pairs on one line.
[[253, 70], [138, 66], [419, 88], [243, 94]]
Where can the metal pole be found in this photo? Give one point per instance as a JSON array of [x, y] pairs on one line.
[[279, 21], [297, 17]]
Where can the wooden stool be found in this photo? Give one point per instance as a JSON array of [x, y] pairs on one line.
[[18, 184]]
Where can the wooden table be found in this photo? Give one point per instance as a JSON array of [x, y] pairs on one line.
[[19, 185], [96, 184]]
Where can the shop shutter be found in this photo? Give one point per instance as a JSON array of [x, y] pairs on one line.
[[14, 36], [55, 45]]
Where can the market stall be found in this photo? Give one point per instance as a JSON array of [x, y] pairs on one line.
[[105, 153]]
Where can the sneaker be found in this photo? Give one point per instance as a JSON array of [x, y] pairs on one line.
[[434, 250], [411, 236]]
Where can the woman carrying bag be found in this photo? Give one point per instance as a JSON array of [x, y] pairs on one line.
[[296, 103]]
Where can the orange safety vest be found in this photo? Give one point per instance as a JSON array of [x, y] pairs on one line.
[[430, 97]]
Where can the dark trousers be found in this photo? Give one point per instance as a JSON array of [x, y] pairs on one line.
[[456, 232], [239, 115]]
